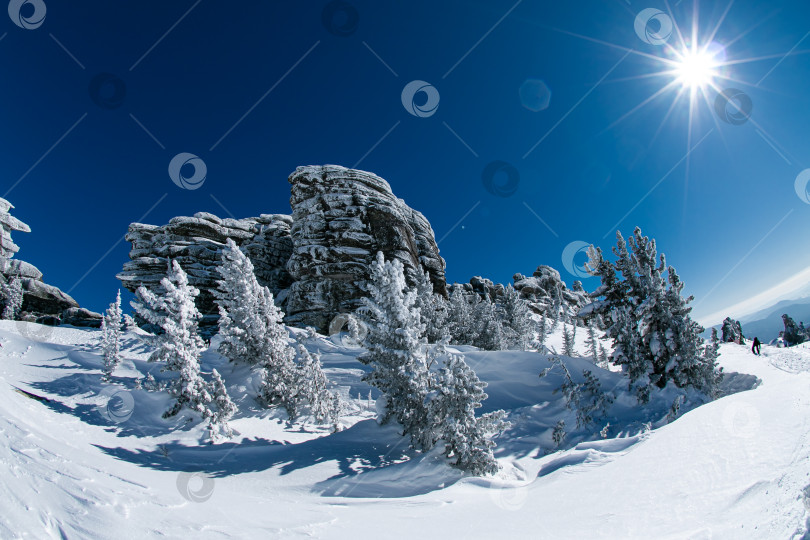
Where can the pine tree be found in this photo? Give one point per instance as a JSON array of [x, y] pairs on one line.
[[253, 333], [394, 349], [222, 410], [489, 329], [312, 389], [111, 337], [542, 333], [12, 294], [456, 393], [432, 308], [179, 346], [655, 340], [569, 340], [592, 342], [518, 324], [461, 324], [246, 310]]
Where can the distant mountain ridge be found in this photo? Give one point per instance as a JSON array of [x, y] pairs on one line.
[[767, 323]]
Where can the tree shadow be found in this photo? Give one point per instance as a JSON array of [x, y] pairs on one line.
[[369, 458]]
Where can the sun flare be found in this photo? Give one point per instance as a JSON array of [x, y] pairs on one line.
[[696, 69]]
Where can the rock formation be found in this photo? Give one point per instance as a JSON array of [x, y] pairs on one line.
[[315, 262], [546, 291], [341, 218], [732, 331], [40, 300], [196, 242]]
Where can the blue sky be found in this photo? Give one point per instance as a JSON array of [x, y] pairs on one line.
[[258, 88]]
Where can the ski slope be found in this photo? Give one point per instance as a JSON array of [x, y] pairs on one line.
[[75, 463]]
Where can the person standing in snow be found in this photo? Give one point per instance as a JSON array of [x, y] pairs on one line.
[[755, 346]]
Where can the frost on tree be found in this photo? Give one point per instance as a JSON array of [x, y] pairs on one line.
[[221, 411], [460, 322], [394, 349], [430, 406], [433, 309], [655, 340], [253, 332], [455, 393], [179, 346], [12, 296], [518, 327], [111, 337]]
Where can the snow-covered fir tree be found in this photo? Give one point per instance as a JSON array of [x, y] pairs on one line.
[[394, 349], [312, 390], [455, 393], [222, 410], [429, 406], [489, 328], [518, 325], [253, 333], [433, 309], [179, 346], [569, 340], [655, 341], [461, 324], [592, 341], [245, 315], [12, 294], [111, 337]]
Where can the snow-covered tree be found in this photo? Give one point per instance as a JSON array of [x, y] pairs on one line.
[[222, 409], [489, 329], [394, 349], [247, 312], [592, 341], [569, 340], [430, 406], [433, 309], [179, 346], [518, 324], [111, 337], [456, 392], [312, 389], [12, 294], [253, 333], [655, 340], [461, 324]]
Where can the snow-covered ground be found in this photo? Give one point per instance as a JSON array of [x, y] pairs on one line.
[[80, 459]]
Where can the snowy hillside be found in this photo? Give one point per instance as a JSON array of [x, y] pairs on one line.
[[83, 459]]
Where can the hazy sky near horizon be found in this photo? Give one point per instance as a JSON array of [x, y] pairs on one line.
[[523, 130]]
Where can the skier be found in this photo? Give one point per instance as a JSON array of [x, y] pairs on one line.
[[755, 346]]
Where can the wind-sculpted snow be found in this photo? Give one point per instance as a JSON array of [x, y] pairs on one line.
[[80, 458]]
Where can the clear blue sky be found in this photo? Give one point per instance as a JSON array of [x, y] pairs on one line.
[[335, 97]]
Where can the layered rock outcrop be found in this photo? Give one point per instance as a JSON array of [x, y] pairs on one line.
[[341, 218], [196, 243], [40, 300], [315, 261]]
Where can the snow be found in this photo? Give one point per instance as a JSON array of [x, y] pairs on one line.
[[733, 468]]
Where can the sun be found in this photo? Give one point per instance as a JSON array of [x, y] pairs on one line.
[[695, 69]]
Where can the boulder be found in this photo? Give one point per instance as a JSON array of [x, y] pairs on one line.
[[83, 318]]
